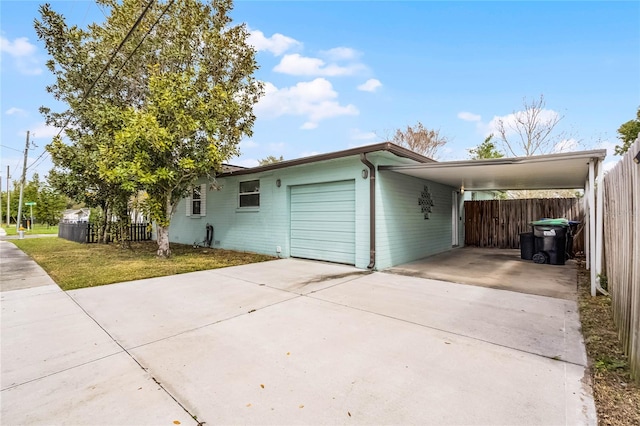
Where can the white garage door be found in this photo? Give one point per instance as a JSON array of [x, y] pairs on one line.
[[323, 221]]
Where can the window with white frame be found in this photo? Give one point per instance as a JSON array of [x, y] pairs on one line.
[[249, 194], [196, 202]]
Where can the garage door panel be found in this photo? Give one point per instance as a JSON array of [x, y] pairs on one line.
[[323, 221], [315, 235], [341, 227], [317, 254], [326, 206], [322, 197], [321, 245], [321, 218], [319, 188]]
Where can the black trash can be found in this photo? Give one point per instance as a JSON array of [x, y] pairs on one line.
[[527, 245], [550, 243]]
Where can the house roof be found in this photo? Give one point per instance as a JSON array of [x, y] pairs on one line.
[[82, 210], [385, 146], [554, 171]]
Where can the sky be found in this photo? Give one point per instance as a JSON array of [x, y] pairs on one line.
[[341, 74]]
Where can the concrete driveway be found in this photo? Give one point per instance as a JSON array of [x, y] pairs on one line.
[[496, 268], [291, 341]]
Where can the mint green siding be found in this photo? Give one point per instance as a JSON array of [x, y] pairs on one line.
[[321, 211], [323, 221], [403, 233], [264, 229]]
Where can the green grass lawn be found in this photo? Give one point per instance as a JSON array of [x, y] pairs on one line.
[[37, 229], [73, 265]]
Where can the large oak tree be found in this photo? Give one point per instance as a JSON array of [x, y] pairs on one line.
[[169, 107]]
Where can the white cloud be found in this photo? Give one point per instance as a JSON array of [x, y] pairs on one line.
[[610, 163], [315, 100], [341, 54], [23, 53], [611, 160], [566, 145], [469, 116], [296, 64], [247, 144], [510, 120], [358, 135], [246, 162], [20, 47], [370, 85], [276, 44], [309, 154], [42, 131], [309, 125], [16, 111]]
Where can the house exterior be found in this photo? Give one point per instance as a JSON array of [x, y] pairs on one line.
[[335, 207], [76, 215]]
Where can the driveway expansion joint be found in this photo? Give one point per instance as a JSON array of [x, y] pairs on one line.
[[146, 370]]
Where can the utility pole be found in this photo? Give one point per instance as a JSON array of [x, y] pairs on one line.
[[8, 198], [22, 182]]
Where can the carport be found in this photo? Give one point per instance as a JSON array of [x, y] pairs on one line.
[[575, 170]]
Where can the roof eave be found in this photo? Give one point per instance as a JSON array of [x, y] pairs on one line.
[[384, 146], [599, 154]]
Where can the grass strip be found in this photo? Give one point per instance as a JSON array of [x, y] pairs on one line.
[[616, 395], [37, 229], [72, 265]]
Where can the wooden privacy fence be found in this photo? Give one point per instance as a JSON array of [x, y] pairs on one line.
[[622, 251], [499, 223], [88, 232]]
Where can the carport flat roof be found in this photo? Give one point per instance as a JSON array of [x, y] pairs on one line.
[[554, 171]]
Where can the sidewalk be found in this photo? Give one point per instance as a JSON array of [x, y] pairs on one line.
[[4, 236], [59, 366]]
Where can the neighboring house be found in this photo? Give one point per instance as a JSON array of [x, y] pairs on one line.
[[75, 215], [335, 207]]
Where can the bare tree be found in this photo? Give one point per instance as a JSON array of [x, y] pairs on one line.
[[530, 131], [418, 138]]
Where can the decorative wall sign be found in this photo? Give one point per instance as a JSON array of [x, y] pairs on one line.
[[425, 202]]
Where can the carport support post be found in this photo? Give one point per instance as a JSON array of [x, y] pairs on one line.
[[587, 249], [599, 224], [592, 228]]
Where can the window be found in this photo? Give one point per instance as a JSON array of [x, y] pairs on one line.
[[249, 195], [196, 202]]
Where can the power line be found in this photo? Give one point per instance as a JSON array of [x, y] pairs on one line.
[[113, 55], [41, 157], [139, 44], [8, 147], [104, 69], [45, 152]]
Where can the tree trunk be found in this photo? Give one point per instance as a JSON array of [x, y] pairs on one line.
[[107, 227], [163, 241], [163, 231], [102, 226], [125, 241]]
